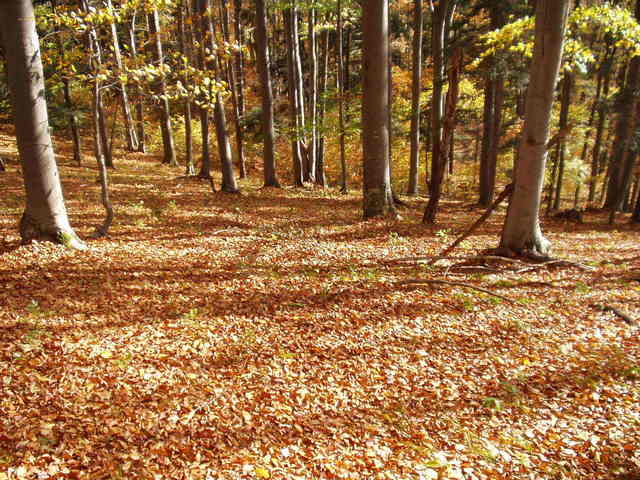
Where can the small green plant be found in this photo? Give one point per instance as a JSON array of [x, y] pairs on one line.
[[65, 239], [493, 404], [582, 287], [34, 308], [444, 233]]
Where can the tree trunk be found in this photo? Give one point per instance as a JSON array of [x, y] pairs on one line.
[[165, 113], [140, 134], [377, 199], [567, 84], [492, 121], [239, 64], [625, 126], [521, 232], [132, 141], [229, 184], [98, 126], [416, 88], [290, 20], [66, 89], [185, 49], [200, 30], [320, 173], [45, 215], [313, 97], [340, 82], [441, 16], [264, 72]]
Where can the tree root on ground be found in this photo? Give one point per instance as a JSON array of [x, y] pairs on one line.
[[427, 281]]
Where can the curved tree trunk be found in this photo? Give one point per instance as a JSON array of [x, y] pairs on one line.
[[521, 232], [263, 63], [45, 215], [377, 198]]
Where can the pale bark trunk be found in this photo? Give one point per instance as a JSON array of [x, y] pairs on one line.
[[185, 49], [45, 215], [294, 100], [522, 232], [130, 133], [320, 172], [416, 88], [313, 97], [140, 132], [377, 196], [263, 63], [165, 113], [239, 65]]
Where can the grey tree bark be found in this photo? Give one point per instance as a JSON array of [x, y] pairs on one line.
[[416, 88], [263, 63], [522, 233], [165, 112], [45, 216], [377, 196]]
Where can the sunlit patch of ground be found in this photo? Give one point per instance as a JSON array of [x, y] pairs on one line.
[[264, 336]]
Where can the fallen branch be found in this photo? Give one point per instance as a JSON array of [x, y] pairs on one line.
[[556, 262], [625, 318], [454, 284], [503, 195]]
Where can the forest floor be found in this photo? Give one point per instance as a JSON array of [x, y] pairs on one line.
[[266, 335]]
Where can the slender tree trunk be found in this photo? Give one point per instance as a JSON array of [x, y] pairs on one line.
[[203, 27], [290, 20], [98, 121], [320, 173], [377, 198], [442, 14], [239, 64], [233, 85], [416, 89], [521, 232], [140, 134], [340, 82], [264, 72], [313, 97], [185, 49], [492, 120], [165, 112], [66, 89], [567, 84], [132, 141], [45, 215], [229, 184]]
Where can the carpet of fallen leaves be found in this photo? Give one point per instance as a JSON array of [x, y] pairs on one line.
[[264, 335]]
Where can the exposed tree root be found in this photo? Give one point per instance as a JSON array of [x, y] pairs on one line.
[[427, 281]]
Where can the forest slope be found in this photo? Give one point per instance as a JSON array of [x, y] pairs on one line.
[[265, 336]]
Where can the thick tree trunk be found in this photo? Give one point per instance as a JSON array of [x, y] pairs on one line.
[[521, 232], [377, 199], [263, 64], [625, 126], [165, 112], [45, 215], [416, 88], [132, 140]]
